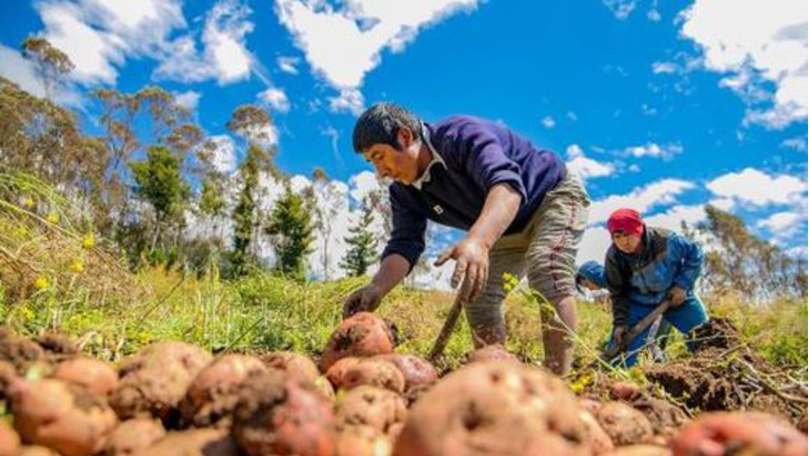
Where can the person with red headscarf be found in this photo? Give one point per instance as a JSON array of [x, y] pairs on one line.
[[644, 266]]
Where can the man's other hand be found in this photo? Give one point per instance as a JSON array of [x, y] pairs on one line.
[[472, 267], [366, 299], [677, 296]]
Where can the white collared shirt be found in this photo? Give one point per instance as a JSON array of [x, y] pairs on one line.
[[425, 177]]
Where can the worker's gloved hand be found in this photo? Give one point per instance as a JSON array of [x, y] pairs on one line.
[[677, 296], [472, 266], [618, 334], [366, 299]]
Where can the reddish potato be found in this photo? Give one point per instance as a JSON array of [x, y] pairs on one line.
[[362, 441], [196, 442], [283, 417], [373, 372], [598, 438], [213, 393], [718, 434], [494, 352], [338, 370], [417, 371], [153, 381], [363, 334], [500, 408], [624, 391], [641, 450], [134, 435], [36, 450], [370, 406], [295, 365], [624, 424], [97, 376], [61, 416], [9, 440]]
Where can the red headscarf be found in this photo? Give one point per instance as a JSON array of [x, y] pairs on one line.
[[626, 220]]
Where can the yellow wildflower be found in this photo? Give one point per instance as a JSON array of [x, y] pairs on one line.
[[28, 202], [41, 283], [77, 265], [89, 241], [53, 217]]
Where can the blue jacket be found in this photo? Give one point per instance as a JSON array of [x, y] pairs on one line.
[[593, 272], [666, 259], [473, 155]]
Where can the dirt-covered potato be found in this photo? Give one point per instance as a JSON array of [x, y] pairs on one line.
[[363, 334], [624, 391], [417, 371], [495, 352], [8, 375], [57, 347], [338, 370], [283, 417], [61, 416], [362, 441], [295, 365], [212, 395], [20, 351], [598, 438], [373, 372], [9, 440], [133, 435], [590, 405], [719, 434], [624, 424], [490, 408], [153, 381], [194, 442], [378, 408], [641, 450], [97, 376]]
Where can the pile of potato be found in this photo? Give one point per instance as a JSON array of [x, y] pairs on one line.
[[359, 399]]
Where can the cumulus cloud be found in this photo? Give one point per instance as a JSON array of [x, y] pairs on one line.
[[664, 67], [344, 43], [763, 45], [276, 99], [586, 167], [15, 68], [754, 187], [187, 99], [654, 150], [349, 100], [642, 199]]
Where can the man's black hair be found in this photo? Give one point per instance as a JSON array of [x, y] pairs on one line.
[[380, 125]]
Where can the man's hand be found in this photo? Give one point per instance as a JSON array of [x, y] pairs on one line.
[[618, 334], [366, 299], [677, 296], [472, 266]]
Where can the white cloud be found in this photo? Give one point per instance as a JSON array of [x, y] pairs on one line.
[[781, 222], [334, 136], [764, 43], [349, 100], [188, 99], [664, 67], [548, 122], [642, 199], [288, 64], [674, 217], [724, 204], [344, 44], [363, 184], [757, 188], [276, 99], [586, 167], [621, 9], [653, 150], [15, 68], [224, 154], [799, 144]]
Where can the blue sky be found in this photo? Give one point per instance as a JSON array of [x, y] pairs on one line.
[[664, 106]]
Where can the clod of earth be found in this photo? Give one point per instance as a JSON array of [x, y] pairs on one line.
[[624, 424], [153, 381], [499, 408], [282, 417], [719, 434], [363, 334], [97, 376], [196, 442], [133, 435], [378, 408], [61, 416], [212, 395]]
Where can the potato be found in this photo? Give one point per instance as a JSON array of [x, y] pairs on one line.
[[133, 435], [363, 334], [370, 406], [57, 347], [338, 370], [624, 424], [36, 450], [279, 416], [493, 352], [61, 416], [739, 433], [415, 370], [19, 351], [641, 450], [195, 442], [295, 365], [362, 441], [97, 376], [496, 407], [373, 372], [325, 387], [9, 440], [590, 405], [153, 381], [212, 395], [598, 438], [624, 391], [8, 375]]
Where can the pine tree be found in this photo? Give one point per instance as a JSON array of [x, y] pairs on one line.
[[291, 227], [244, 214], [363, 244]]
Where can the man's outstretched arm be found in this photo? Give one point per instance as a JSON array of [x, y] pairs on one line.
[[393, 269]]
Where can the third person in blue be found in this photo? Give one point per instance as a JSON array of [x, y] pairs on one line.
[[645, 265]]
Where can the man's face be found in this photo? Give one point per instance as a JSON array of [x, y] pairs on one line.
[[627, 243], [399, 165], [590, 285]]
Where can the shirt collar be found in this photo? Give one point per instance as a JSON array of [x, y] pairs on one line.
[[425, 177]]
